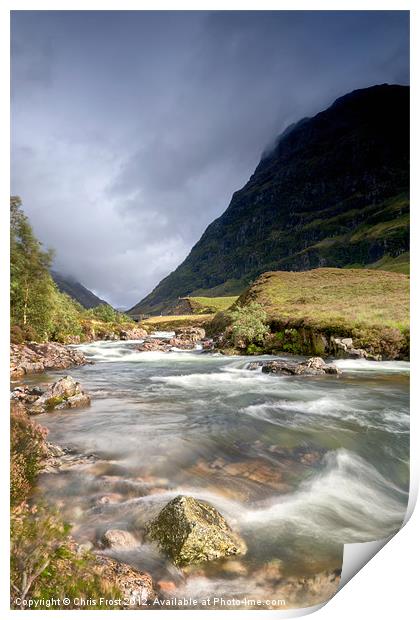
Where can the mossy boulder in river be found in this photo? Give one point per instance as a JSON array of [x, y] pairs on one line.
[[191, 531]]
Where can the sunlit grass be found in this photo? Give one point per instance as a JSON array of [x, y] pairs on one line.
[[325, 298]]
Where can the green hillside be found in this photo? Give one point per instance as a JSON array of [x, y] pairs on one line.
[[332, 193]]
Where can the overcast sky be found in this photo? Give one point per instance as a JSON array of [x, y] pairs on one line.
[[131, 130]]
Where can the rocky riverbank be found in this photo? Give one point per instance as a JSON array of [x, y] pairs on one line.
[[35, 357], [38, 357]]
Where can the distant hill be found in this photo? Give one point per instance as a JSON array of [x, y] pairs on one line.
[[333, 192], [77, 291]]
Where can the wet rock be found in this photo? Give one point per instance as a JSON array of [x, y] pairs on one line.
[[34, 357], [65, 393], [135, 585], [166, 587], [187, 337], [191, 531], [59, 459], [26, 394], [110, 498], [136, 333], [256, 470], [32, 367], [312, 366], [119, 539], [182, 344], [154, 344], [310, 590], [208, 344], [190, 333], [17, 373], [74, 402], [240, 480], [84, 548], [254, 365], [234, 567], [271, 572], [344, 348]]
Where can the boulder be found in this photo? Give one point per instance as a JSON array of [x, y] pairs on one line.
[[17, 373], [137, 333], [154, 344], [344, 348], [65, 393], [193, 334], [27, 394], [135, 586], [180, 343], [191, 531], [312, 366], [187, 337], [119, 539]]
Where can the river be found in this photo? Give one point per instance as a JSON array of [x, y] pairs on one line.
[[298, 465]]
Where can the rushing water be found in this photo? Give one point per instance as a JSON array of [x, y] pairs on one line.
[[298, 465]]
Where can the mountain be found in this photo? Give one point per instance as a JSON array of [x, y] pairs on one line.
[[85, 297], [333, 192]]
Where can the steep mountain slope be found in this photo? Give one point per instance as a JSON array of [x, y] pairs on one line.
[[333, 192], [77, 291]]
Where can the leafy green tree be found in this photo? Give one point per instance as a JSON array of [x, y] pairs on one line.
[[107, 314], [32, 288], [65, 317]]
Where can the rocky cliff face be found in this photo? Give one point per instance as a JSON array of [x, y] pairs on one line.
[[333, 192]]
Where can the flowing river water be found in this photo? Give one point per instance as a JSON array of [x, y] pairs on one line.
[[297, 465]]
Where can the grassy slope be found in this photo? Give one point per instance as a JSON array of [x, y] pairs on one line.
[[169, 322], [399, 264], [334, 299], [212, 304]]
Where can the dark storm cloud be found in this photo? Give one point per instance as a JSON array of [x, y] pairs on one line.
[[132, 130]]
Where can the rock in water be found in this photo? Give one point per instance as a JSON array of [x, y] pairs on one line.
[[65, 393], [191, 531], [119, 539], [312, 366]]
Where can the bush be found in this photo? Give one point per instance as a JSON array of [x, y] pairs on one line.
[[249, 325], [27, 450], [218, 324], [390, 342], [45, 563], [66, 318]]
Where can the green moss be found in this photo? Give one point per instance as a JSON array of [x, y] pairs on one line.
[[51, 403]]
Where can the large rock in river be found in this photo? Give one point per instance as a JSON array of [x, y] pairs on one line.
[[312, 366], [191, 531], [66, 393]]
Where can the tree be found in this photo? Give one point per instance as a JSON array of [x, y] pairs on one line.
[[31, 286]]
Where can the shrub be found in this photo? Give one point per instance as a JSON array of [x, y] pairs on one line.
[[66, 318], [249, 325], [218, 324], [27, 450], [45, 563], [390, 342]]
